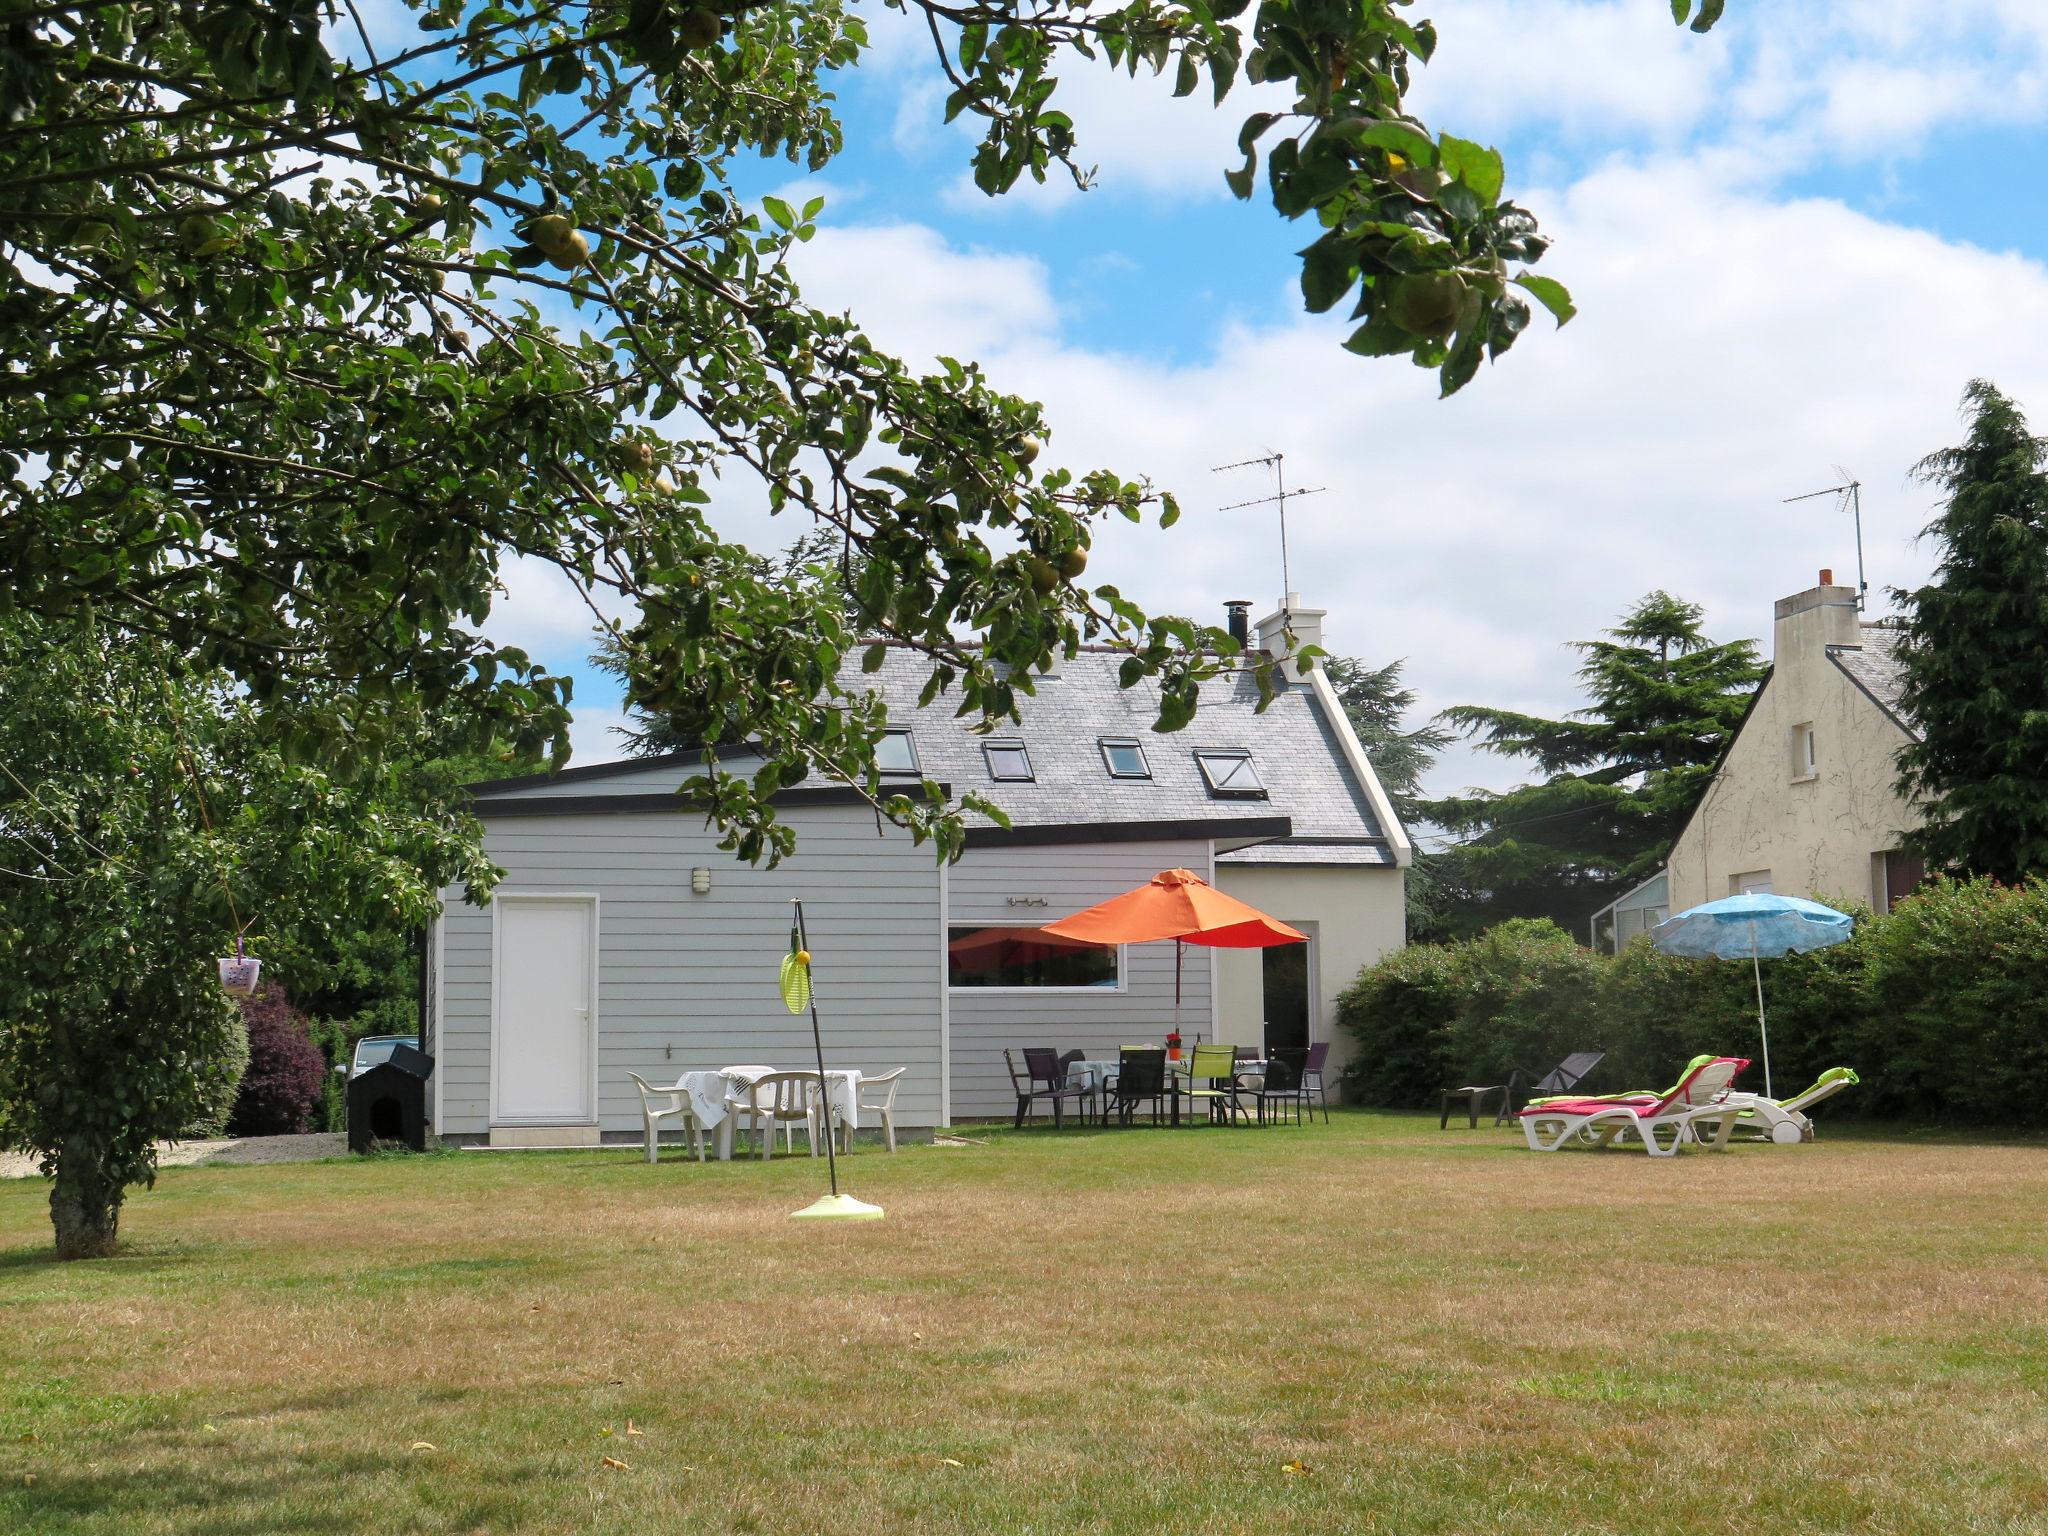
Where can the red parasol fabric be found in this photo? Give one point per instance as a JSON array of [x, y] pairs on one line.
[[1177, 904]]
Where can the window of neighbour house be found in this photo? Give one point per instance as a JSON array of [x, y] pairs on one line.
[[1230, 775], [1125, 758], [1755, 882], [992, 956], [1805, 761], [896, 754], [1008, 761]]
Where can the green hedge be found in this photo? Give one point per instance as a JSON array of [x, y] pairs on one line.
[[1942, 1008]]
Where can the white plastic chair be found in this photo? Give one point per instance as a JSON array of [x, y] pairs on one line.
[[882, 1105], [780, 1098], [659, 1104]]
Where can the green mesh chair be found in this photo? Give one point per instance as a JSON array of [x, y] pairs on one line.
[[1212, 1074]]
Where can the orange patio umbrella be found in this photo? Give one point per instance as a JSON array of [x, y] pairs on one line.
[[1180, 905]]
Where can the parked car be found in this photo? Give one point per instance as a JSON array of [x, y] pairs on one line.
[[372, 1051]]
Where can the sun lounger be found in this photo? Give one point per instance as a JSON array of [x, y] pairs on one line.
[[1700, 1099], [1785, 1120]]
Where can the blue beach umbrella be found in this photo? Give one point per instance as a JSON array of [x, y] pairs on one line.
[[1755, 928]]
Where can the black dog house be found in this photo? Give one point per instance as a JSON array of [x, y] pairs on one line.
[[389, 1102]]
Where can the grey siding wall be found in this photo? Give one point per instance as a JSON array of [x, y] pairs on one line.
[[687, 981], [1069, 877]]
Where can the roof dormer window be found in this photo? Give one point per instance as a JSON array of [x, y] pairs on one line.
[[1008, 761], [1124, 757], [1230, 775], [896, 753]]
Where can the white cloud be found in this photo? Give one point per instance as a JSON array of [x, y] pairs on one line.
[[594, 734], [1567, 65], [1794, 82], [924, 298], [1730, 350]]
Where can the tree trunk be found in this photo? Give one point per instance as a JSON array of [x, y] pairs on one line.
[[85, 1205]]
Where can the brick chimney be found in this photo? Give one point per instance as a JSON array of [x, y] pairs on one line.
[[1809, 621], [1304, 624]]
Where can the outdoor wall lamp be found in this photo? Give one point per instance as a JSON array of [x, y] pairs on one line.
[[700, 880]]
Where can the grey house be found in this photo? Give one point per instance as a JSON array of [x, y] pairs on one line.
[[623, 940]]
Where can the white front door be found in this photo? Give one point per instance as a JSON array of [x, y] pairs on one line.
[[543, 983]]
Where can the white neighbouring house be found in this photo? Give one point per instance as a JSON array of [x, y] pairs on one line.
[[623, 940], [1805, 801]]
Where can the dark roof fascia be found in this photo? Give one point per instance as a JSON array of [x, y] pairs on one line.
[[1719, 763], [625, 765], [1835, 655], [1256, 828], [660, 800]]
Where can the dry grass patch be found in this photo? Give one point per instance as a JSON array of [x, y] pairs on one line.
[[1366, 1326]]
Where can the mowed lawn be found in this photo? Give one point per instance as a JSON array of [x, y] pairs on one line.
[[1365, 1327]]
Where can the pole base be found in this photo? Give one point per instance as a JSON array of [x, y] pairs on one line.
[[837, 1208]]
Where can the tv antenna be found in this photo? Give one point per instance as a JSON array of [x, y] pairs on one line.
[[1849, 498], [1279, 499]]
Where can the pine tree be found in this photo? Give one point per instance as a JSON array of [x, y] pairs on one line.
[[1976, 652], [1620, 775]]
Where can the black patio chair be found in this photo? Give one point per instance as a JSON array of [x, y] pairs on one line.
[[1141, 1075], [1285, 1083], [1318, 1057], [1042, 1079]]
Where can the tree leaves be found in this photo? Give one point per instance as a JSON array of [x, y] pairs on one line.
[[1548, 292], [1708, 12]]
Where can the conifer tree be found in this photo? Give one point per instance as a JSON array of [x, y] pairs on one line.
[[1976, 652], [1620, 775]]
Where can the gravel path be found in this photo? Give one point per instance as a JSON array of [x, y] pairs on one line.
[[245, 1149]]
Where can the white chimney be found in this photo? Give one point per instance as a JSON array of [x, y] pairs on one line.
[[1809, 621], [1288, 629]]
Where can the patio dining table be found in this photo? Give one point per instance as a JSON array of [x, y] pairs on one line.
[[1099, 1074], [706, 1092]]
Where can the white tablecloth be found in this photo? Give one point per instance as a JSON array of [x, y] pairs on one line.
[[706, 1093]]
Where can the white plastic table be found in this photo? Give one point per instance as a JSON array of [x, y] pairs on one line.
[[842, 1092]]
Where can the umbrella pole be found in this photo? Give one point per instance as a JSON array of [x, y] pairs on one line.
[[818, 1044], [1763, 1029], [1176, 985]]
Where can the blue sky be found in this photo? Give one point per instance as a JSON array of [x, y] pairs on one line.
[[1793, 242]]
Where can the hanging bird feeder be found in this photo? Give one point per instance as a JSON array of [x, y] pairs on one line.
[[238, 972]]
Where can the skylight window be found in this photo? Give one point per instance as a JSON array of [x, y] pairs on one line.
[[897, 753], [1230, 775], [1125, 759], [1008, 762]]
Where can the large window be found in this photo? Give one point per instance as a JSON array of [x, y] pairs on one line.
[[978, 956], [1230, 775]]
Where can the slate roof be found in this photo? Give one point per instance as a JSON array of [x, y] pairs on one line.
[[1078, 705], [1874, 666]]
